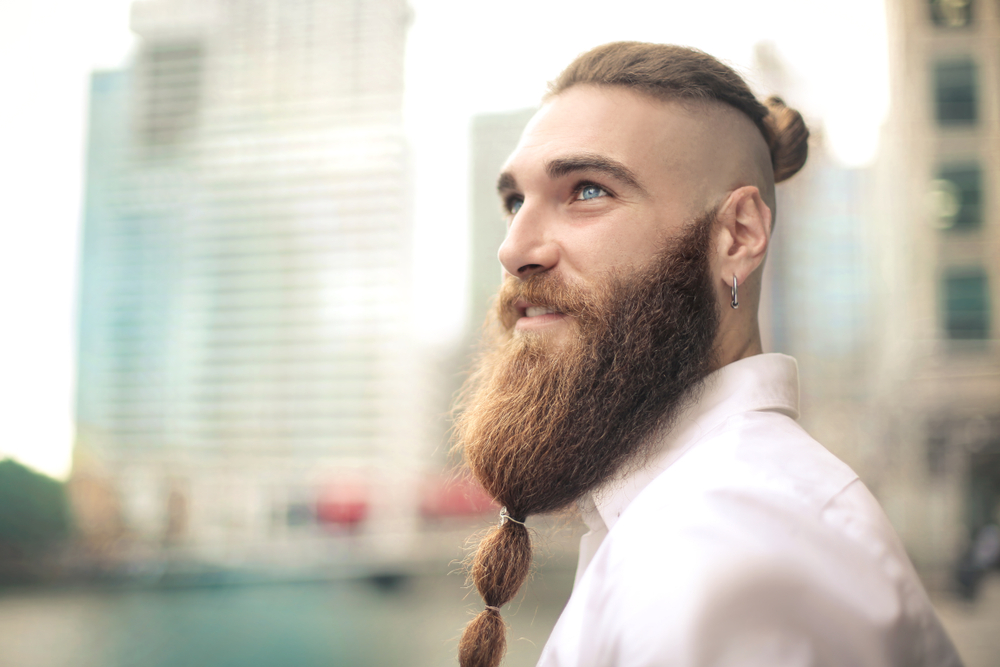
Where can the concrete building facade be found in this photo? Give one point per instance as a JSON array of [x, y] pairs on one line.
[[243, 353], [937, 383]]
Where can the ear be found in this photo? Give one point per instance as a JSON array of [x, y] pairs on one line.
[[744, 230]]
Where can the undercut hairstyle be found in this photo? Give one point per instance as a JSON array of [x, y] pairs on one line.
[[669, 72]]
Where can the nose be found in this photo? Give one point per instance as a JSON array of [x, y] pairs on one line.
[[528, 250]]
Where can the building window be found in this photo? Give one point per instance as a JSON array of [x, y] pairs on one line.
[[967, 315], [951, 13], [170, 90], [955, 92], [961, 202]]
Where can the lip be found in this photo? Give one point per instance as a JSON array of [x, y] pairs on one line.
[[538, 321]]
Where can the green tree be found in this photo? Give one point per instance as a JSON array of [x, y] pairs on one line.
[[34, 512]]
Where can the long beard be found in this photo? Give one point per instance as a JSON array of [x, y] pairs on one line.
[[542, 424]]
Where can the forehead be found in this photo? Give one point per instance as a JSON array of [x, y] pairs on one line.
[[662, 142]]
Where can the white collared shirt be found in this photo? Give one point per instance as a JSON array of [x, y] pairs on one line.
[[743, 542]]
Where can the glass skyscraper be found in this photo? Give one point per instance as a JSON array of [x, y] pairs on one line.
[[246, 255]]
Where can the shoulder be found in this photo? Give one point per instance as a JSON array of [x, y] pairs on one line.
[[757, 466], [757, 541]]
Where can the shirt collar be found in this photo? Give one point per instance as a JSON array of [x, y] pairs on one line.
[[763, 382]]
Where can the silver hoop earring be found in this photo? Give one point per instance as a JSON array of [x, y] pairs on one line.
[[736, 301]]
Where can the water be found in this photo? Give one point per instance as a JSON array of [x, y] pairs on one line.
[[351, 623]]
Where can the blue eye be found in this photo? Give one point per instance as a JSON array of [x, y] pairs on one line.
[[512, 203], [591, 192]]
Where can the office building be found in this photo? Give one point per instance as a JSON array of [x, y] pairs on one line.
[[938, 380], [244, 371]]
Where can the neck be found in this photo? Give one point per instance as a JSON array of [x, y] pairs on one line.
[[738, 338]]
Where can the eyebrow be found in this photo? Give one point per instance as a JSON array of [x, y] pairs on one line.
[[506, 182], [593, 162], [583, 162]]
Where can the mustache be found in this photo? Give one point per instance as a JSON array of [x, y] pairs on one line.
[[547, 289]]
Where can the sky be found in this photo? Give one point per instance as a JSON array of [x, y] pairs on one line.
[[463, 58]]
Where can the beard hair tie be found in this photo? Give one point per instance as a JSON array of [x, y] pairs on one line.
[[505, 517]]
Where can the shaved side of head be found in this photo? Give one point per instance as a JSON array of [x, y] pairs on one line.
[[723, 150]]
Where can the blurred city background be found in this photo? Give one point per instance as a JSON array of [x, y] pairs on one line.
[[247, 247]]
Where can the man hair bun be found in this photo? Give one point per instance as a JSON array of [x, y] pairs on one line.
[[788, 140]]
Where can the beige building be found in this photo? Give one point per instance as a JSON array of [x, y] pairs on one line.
[[936, 383]]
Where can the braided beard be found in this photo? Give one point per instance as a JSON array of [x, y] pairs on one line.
[[543, 424]]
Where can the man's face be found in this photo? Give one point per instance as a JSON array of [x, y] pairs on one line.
[[601, 178], [607, 316]]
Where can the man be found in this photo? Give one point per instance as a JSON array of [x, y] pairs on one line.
[[627, 376]]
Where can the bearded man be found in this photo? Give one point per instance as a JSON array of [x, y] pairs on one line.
[[626, 375]]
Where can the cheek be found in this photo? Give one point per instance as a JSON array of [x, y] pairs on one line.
[[628, 245], [623, 240], [598, 257]]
